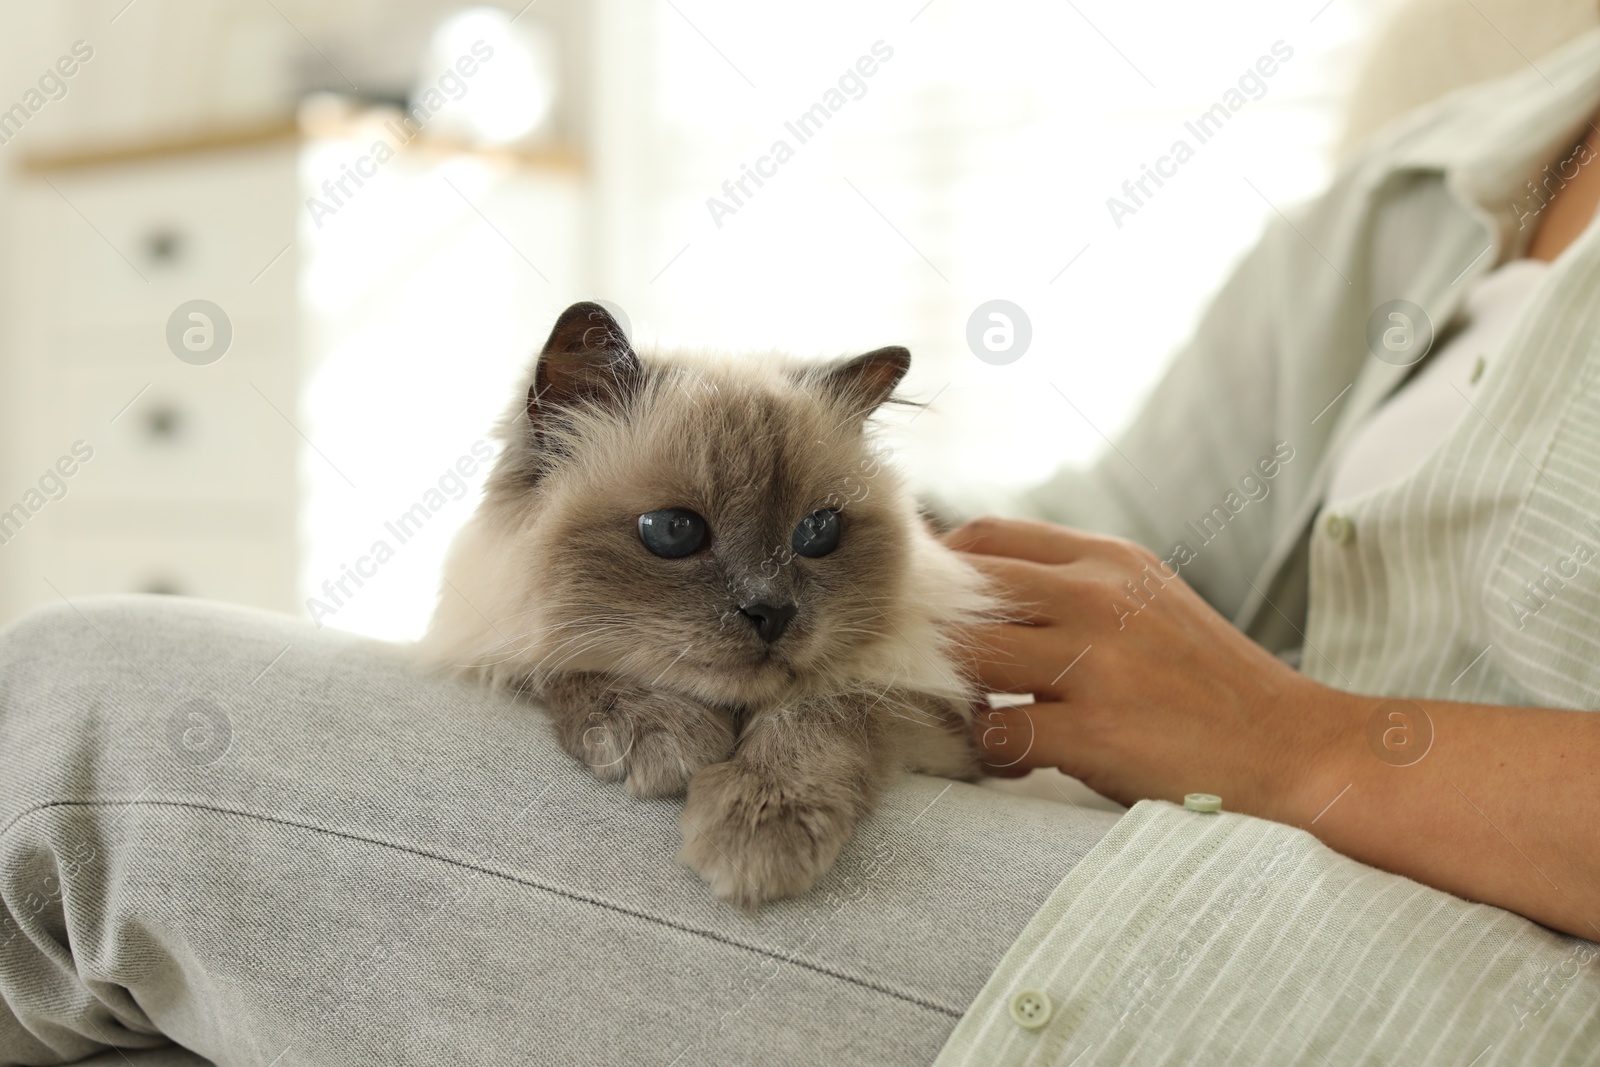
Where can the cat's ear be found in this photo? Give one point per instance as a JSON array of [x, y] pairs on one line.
[[587, 360], [865, 382]]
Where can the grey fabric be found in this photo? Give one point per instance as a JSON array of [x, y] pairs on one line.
[[271, 844], [166, 1056]]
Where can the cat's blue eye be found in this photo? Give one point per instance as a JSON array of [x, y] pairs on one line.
[[672, 532], [817, 534]]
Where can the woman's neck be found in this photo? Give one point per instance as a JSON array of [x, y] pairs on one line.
[[1572, 207]]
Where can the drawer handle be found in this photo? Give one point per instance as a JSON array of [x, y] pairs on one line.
[[161, 587], [164, 423], [164, 246]]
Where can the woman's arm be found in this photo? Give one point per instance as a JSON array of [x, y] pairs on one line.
[[1144, 691]]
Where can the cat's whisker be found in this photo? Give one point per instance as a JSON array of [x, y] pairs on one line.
[[673, 664], [517, 653], [519, 645], [594, 643]]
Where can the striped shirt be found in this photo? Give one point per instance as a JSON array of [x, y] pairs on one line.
[[1219, 939], [1476, 577]]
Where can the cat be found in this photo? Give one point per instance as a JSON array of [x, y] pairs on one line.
[[704, 572]]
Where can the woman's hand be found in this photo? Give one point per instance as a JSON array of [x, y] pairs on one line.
[[1141, 688], [1144, 691]]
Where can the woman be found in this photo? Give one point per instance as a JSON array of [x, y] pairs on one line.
[[1469, 601]]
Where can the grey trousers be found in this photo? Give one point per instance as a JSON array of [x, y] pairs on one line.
[[229, 837]]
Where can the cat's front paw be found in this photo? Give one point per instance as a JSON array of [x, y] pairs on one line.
[[753, 840], [651, 742]]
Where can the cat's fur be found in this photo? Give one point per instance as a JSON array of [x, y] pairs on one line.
[[647, 666]]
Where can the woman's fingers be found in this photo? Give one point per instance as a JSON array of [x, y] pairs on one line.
[[1021, 659], [1014, 740], [1040, 639], [1026, 588], [1041, 542]]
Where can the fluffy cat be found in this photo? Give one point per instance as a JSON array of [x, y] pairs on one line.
[[706, 575]]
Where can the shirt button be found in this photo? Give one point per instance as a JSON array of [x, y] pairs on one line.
[[1031, 1009], [1339, 529]]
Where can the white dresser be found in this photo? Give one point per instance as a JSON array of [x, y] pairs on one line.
[[190, 486], [367, 355]]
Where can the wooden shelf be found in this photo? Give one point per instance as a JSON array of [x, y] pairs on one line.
[[161, 147], [559, 157]]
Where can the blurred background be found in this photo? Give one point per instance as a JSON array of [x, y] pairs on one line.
[[272, 267]]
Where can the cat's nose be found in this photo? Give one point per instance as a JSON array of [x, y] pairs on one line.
[[770, 619]]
